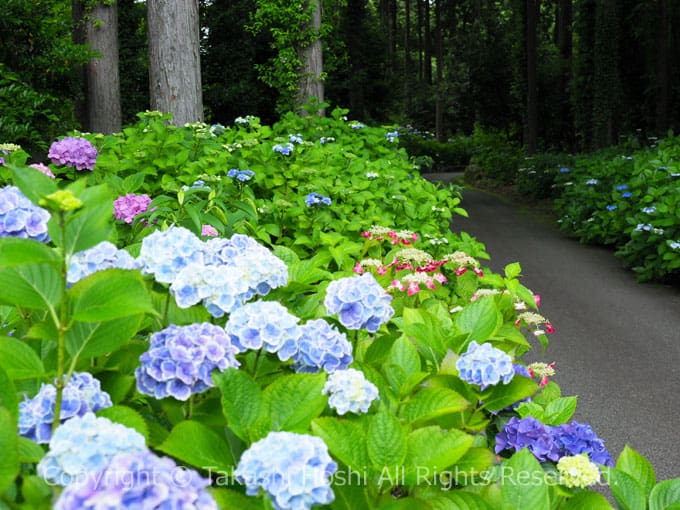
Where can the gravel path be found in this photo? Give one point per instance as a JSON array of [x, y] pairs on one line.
[[617, 344]]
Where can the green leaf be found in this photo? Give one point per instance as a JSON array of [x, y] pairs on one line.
[[587, 500], [559, 411], [634, 464], [9, 446], [405, 356], [427, 331], [523, 483], [480, 320], [31, 286], [432, 449], [90, 225], [627, 492], [15, 251], [242, 403], [30, 451], [665, 495], [8, 392], [431, 403], [474, 464], [33, 183], [513, 270], [201, 447], [92, 339], [406, 504], [294, 400], [231, 499], [110, 294], [459, 500], [503, 395], [126, 416], [19, 360], [386, 440], [349, 491], [346, 441]]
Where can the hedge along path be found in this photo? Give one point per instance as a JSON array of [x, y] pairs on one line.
[[617, 344]]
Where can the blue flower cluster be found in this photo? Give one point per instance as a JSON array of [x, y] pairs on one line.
[[359, 302], [240, 175], [549, 443], [139, 481], [164, 253], [321, 347], [295, 138], [102, 256], [392, 136], [612, 207], [81, 395], [315, 198], [349, 391], [485, 365], [293, 469], [285, 149], [564, 170], [85, 445], [626, 194], [264, 324], [622, 187], [181, 359], [19, 217], [592, 182]]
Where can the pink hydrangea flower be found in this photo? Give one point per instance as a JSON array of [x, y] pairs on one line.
[[209, 231], [42, 168], [73, 151], [128, 206]]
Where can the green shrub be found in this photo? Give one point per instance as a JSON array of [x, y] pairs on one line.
[[495, 158]]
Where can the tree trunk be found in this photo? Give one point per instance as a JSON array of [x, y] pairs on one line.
[[174, 60], [663, 48], [79, 37], [564, 40], [532, 92], [311, 56], [439, 54], [103, 79], [428, 43]]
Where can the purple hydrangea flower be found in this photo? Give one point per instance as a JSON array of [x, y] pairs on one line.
[[285, 149], [165, 253], [322, 347], [528, 433], [102, 256], [240, 175], [574, 438], [349, 391], [81, 395], [19, 217], [84, 445], [127, 207], [264, 324], [181, 359], [73, 151], [139, 481], [359, 302], [209, 231], [485, 365], [315, 198], [293, 469]]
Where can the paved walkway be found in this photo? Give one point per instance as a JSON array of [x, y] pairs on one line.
[[617, 344]]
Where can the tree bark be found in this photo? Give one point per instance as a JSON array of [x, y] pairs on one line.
[[532, 92], [439, 54], [174, 60], [663, 48], [103, 78], [428, 42], [311, 56]]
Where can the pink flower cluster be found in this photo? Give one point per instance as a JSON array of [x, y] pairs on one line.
[[128, 206], [209, 231], [73, 151], [377, 233], [42, 168]]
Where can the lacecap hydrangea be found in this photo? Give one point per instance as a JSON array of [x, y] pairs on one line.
[[349, 391], [102, 256], [73, 151], [84, 445], [139, 481], [264, 325], [181, 359], [485, 365], [359, 302], [82, 394], [19, 217], [321, 347], [293, 469]]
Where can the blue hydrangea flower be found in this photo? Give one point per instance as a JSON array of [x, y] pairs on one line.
[[217, 129], [626, 194], [643, 226], [19, 217], [285, 149], [392, 136], [622, 187], [322, 347], [293, 469], [357, 125], [85, 445], [592, 182], [102, 256], [574, 438], [240, 175], [674, 245], [528, 433], [359, 302], [564, 170], [315, 198], [165, 253], [485, 365], [295, 138], [349, 391], [521, 370], [264, 324], [612, 207], [649, 210], [81, 395], [181, 359], [139, 481]]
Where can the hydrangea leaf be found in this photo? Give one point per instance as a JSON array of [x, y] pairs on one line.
[[349, 491], [92, 339], [427, 331], [627, 491], [199, 446], [126, 416], [30, 451], [295, 400], [36, 286], [346, 440], [476, 461], [665, 495], [480, 320], [501, 396], [15, 251], [32, 183], [8, 393], [405, 356], [559, 411], [589, 500], [9, 446], [91, 224], [19, 360], [633, 463], [242, 402], [407, 504], [431, 450], [431, 403], [386, 440], [232, 499], [458, 500], [521, 483]]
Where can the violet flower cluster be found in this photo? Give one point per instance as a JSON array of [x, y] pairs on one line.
[[315, 198], [485, 365], [321, 347], [550, 443], [81, 395], [83, 446], [240, 175], [293, 469], [349, 391], [285, 149], [74, 152], [139, 481], [181, 359], [19, 217], [127, 207], [102, 256], [359, 301]]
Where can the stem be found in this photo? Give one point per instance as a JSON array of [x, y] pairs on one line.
[[61, 325], [166, 309]]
